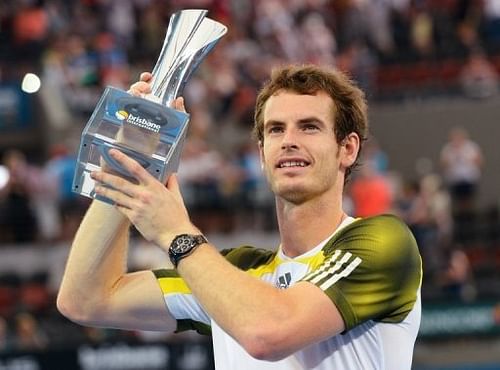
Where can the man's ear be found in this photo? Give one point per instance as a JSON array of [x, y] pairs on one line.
[[349, 149]]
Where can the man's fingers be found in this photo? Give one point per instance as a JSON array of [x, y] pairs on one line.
[[140, 88], [146, 77], [143, 86], [178, 104], [132, 166], [173, 186], [118, 197], [106, 180]]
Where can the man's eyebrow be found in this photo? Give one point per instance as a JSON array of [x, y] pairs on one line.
[[311, 119], [273, 122]]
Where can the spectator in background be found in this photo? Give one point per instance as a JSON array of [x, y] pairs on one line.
[[121, 19], [29, 200], [34, 296], [370, 191], [200, 172], [5, 336], [61, 168], [424, 206], [81, 75], [456, 279], [439, 203], [111, 61], [29, 336], [18, 215], [374, 152], [422, 29], [491, 25], [318, 41], [468, 14], [255, 200], [274, 27], [30, 30], [478, 78], [461, 161]]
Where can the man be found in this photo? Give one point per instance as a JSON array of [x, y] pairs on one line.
[[461, 160], [352, 286]]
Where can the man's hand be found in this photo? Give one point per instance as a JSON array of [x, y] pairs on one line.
[[143, 86], [158, 212]]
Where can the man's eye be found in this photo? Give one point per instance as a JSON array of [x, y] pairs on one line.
[[275, 129], [310, 128]]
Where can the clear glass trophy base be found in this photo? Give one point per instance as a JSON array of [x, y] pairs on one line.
[[150, 133]]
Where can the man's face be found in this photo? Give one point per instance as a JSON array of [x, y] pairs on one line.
[[300, 154]]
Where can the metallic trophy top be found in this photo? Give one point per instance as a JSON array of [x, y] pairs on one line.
[[190, 37]]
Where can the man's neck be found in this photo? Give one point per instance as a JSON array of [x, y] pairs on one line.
[[304, 226]]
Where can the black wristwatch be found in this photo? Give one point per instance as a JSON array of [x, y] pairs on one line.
[[183, 245]]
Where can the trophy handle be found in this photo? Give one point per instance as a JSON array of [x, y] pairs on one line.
[[190, 37], [180, 31]]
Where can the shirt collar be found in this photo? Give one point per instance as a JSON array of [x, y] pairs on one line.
[[348, 220]]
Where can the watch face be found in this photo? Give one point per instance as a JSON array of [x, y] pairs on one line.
[[183, 243]]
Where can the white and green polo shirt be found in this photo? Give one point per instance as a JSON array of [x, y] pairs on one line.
[[370, 269]]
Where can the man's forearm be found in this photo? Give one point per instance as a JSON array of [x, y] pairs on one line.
[[264, 320], [239, 303], [97, 259]]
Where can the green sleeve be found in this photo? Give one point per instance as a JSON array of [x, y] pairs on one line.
[[372, 271]]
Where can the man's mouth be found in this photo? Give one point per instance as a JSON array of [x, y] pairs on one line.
[[289, 164]]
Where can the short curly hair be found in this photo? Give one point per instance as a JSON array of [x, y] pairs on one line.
[[350, 108]]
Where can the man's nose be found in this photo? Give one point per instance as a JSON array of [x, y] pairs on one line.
[[289, 140]]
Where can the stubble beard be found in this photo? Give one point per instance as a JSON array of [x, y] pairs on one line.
[[295, 194]]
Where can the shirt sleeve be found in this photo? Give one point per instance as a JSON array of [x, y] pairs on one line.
[[184, 306], [372, 271], [181, 303]]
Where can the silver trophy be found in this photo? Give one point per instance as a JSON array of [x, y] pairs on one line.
[[147, 129]]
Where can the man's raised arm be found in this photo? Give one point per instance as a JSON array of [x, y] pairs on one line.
[[96, 288]]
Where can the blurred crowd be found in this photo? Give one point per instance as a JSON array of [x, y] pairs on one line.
[[78, 47], [81, 44], [440, 207]]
